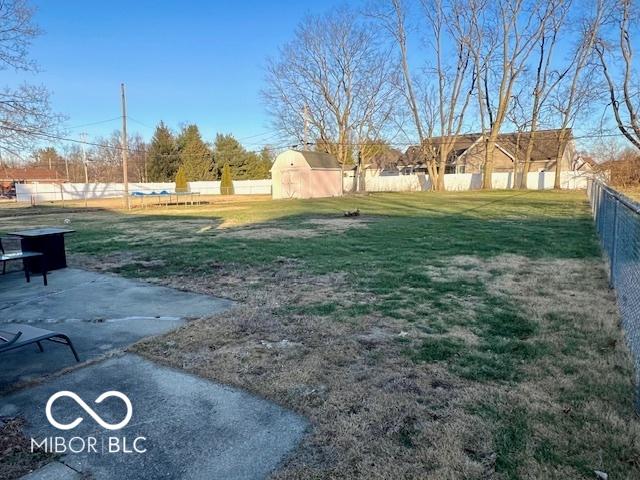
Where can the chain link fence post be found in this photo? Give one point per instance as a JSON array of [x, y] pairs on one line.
[[613, 250]]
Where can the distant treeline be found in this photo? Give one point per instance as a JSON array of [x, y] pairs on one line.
[[157, 160]]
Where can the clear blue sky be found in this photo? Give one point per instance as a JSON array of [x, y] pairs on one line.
[[191, 61]]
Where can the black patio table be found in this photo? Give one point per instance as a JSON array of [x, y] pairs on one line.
[[48, 241]]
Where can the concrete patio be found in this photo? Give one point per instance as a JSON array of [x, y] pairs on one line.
[[99, 312], [194, 428]]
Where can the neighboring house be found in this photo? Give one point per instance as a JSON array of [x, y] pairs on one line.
[[10, 176], [468, 153], [584, 163], [386, 163], [303, 174]]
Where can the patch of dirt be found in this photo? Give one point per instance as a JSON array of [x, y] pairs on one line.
[[459, 267], [316, 227], [266, 233], [341, 223]]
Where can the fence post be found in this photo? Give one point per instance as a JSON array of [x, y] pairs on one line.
[[601, 213], [595, 203], [612, 255]]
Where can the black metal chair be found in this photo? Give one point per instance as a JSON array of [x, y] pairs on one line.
[[16, 253]]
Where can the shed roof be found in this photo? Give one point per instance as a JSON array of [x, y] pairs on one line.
[[320, 160]]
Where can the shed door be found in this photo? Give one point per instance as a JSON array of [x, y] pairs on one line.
[[293, 183]]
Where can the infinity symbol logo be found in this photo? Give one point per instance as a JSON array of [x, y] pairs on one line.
[[89, 410]]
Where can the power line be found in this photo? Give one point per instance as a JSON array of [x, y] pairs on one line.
[[94, 123], [119, 148], [139, 122], [85, 142], [271, 134]]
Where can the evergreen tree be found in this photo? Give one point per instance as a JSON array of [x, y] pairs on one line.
[[244, 165], [181, 180], [228, 151], [163, 159], [226, 184], [261, 164], [195, 155]]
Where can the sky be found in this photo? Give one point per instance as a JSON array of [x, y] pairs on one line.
[[191, 61], [182, 62]]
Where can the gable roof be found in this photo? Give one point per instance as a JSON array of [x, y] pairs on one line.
[[545, 146], [320, 160]]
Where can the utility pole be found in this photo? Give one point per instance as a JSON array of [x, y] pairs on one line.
[[305, 117], [83, 136], [146, 175], [125, 148]]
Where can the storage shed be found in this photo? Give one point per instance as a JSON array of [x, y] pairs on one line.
[[298, 174]]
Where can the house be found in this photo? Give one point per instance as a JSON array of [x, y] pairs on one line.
[[305, 174], [381, 164], [584, 163], [9, 176], [468, 153]]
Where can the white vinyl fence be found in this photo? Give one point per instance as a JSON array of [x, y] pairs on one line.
[[51, 192], [240, 187], [466, 181]]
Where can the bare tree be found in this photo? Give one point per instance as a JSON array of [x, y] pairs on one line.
[[547, 78], [508, 31], [519, 117], [137, 158], [439, 99], [25, 113], [333, 83], [73, 163], [616, 61], [104, 158], [574, 97]]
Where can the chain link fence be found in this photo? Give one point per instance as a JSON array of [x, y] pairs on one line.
[[617, 220]]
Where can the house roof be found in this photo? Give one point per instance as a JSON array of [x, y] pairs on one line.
[[545, 146], [588, 160], [27, 173], [320, 160]]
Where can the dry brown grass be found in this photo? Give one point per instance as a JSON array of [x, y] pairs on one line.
[[310, 228], [377, 414], [16, 458], [632, 193], [152, 203]]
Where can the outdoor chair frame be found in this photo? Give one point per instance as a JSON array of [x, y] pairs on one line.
[[13, 336]]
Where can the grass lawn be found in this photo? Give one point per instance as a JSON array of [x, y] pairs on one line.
[[467, 335]]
